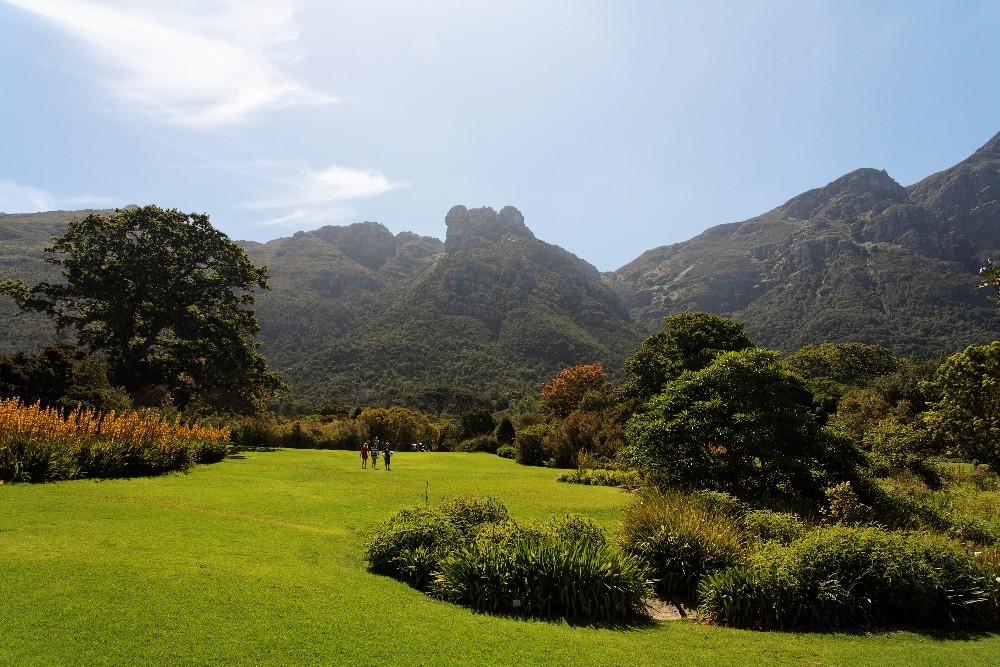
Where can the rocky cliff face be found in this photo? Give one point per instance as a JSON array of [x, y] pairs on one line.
[[862, 258], [473, 228]]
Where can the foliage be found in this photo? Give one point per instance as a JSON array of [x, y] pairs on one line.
[[505, 433], [842, 577], [741, 425], [593, 432], [470, 551], [507, 451], [680, 539], [689, 342], [479, 443], [845, 507], [771, 526], [531, 445], [965, 414], [397, 426], [477, 421], [565, 392], [411, 544], [626, 479], [546, 577], [43, 444], [165, 298]]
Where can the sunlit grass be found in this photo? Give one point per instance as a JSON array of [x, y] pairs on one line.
[[258, 560]]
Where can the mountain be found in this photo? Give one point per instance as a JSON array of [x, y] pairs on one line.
[[357, 315], [860, 259]]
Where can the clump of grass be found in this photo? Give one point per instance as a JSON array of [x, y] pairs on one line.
[[680, 538]]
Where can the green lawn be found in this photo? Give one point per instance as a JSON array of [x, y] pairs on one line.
[[257, 560]]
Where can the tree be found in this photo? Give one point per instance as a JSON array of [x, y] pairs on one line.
[[965, 408], [689, 342], [567, 389], [742, 425], [165, 298]]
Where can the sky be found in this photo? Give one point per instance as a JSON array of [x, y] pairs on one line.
[[614, 126]]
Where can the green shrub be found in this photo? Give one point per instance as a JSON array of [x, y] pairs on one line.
[[680, 539], [209, 451], [479, 443], [531, 445], [546, 577], [845, 506], [466, 514], [410, 545], [720, 502], [626, 479], [852, 577], [769, 526], [506, 451]]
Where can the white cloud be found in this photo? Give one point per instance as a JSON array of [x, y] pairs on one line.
[[188, 63], [15, 198], [302, 194]]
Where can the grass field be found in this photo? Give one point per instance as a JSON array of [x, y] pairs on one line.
[[258, 560]]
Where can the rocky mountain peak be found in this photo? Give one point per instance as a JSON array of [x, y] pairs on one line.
[[472, 228], [370, 244], [860, 190], [990, 150]]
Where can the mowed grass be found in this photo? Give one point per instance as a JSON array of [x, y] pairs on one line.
[[258, 560]]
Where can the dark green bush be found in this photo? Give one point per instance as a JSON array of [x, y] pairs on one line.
[[479, 443], [680, 540], [851, 577], [531, 445]]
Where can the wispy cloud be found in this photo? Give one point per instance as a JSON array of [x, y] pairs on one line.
[[301, 194], [15, 198], [200, 64]]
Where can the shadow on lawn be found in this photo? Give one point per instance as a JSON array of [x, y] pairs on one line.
[[238, 451]]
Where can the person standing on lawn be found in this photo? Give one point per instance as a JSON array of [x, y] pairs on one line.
[[374, 453], [364, 455], [387, 454]]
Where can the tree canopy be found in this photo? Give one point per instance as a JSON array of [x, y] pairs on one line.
[[165, 298], [689, 342], [742, 425]]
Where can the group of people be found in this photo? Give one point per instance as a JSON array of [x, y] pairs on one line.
[[372, 451]]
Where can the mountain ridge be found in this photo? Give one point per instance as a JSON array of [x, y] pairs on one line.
[[357, 314]]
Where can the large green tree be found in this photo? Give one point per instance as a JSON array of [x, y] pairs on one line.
[[166, 299], [965, 404], [743, 425], [689, 342]]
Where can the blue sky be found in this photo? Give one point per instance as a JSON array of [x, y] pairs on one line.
[[614, 127]]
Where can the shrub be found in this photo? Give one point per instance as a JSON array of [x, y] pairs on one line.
[[411, 544], [471, 552], [530, 445], [852, 577], [545, 576], [769, 526], [466, 514], [40, 445], [506, 451], [845, 506], [681, 540], [479, 443], [626, 479]]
